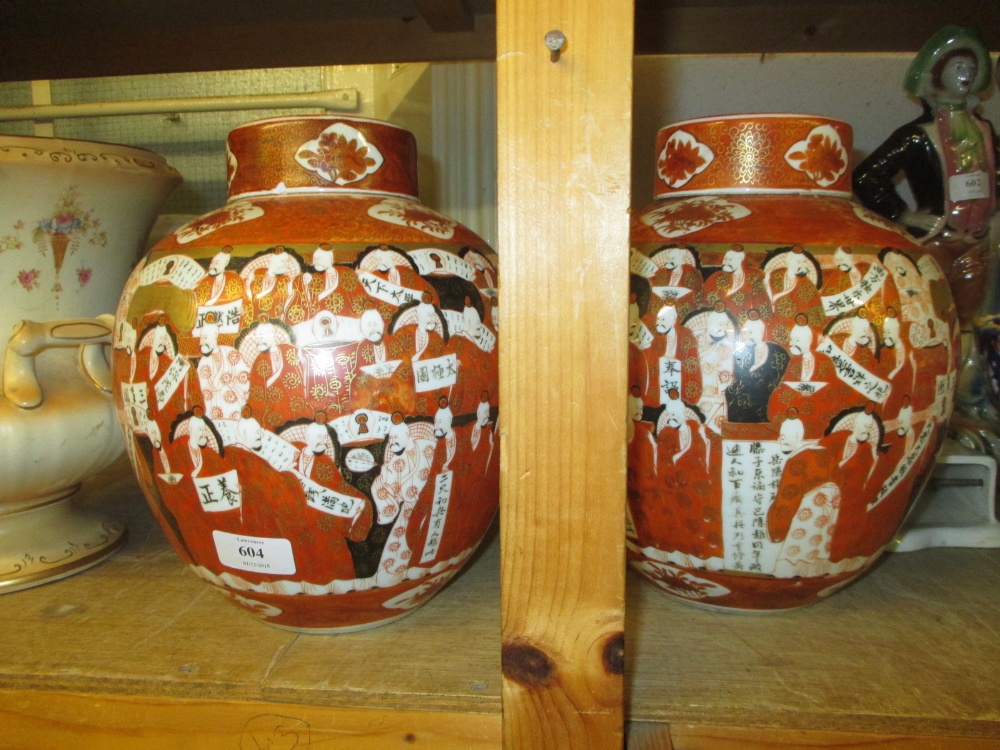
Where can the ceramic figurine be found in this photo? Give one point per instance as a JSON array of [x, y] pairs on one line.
[[73, 219], [986, 331], [792, 362], [948, 158], [307, 380]]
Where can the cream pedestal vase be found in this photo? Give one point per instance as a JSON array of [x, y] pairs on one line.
[[52, 443], [73, 218]]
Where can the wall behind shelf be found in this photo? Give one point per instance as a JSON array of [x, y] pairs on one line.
[[450, 108]]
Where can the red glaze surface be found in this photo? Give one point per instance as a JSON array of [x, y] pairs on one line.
[[321, 153], [307, 382], [753, 152], [792, 367]]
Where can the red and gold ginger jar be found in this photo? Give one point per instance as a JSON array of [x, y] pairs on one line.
[[792, 367], [307, 380]]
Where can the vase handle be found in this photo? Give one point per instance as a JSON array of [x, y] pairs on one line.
[[20, 383]]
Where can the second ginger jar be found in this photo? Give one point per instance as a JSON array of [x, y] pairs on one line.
[[793, 360]]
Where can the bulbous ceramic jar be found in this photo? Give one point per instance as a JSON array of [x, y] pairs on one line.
[[307, 380], [792, 367]]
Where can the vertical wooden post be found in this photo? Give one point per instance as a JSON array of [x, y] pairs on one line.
[[564, 135]]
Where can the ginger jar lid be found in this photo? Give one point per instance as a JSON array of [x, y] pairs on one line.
[[755, 153], [320, 154]]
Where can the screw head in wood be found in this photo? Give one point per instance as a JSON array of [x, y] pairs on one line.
[[555, 40]]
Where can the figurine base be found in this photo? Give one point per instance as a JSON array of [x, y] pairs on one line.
[[958, 506], [977, 432]]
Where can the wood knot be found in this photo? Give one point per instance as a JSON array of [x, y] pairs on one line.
[[526, 664], [613, 656]]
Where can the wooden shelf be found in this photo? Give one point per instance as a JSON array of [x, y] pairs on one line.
[[138, 647], [764, 27], [40, 40], [138, 653], [909, 650], [142, 625]]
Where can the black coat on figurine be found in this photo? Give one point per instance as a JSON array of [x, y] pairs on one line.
[[911, 152]]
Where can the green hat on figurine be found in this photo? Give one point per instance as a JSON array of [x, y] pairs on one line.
[[946, 43]]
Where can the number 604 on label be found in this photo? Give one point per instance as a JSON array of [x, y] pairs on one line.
[[254, 553]]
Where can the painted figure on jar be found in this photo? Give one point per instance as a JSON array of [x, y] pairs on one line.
[[275, 373], [314, 287], [841, 271], [224, 376], [854, 439], [678, 276], [792, 278], [737, 284], [759, 365], [670, 361], [810, 384], [270, 282], [715, 332], [430, 332], [338, 512], [804, 513], [855, 336], [469, 340], [684, 493], [378, 357], [221, 285]]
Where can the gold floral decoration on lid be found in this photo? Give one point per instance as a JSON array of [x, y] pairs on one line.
[[758, 153]]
